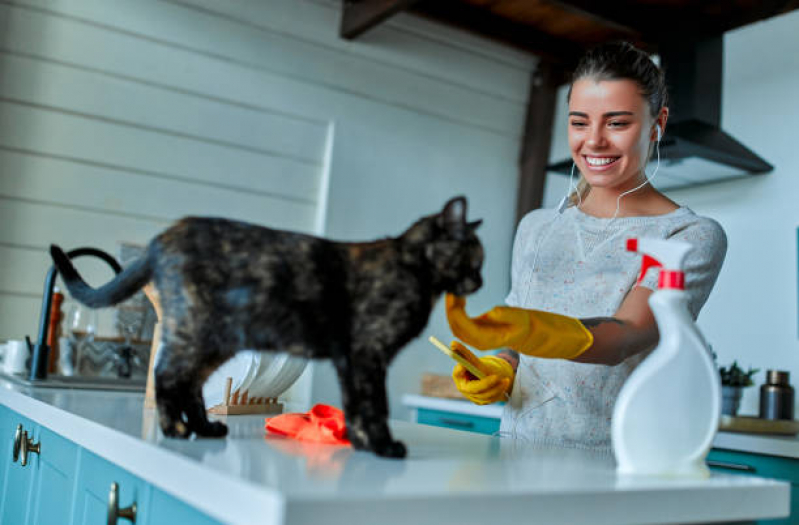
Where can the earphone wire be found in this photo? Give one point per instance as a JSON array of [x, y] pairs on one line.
[[573, 188], [648, 180]]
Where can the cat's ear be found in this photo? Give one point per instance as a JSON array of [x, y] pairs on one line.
[[453, 216]]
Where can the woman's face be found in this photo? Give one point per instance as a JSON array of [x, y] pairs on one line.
[[610, 129]]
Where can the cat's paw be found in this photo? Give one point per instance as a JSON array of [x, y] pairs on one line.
[[391, 449], [176, 429], [212, 429]]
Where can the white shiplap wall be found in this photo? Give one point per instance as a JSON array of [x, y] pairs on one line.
[[119, 116], [97, 147]]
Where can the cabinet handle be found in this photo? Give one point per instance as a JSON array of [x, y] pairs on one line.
[[114, 512], [731, 466], [457, 423], [17, 443], [29, 447]]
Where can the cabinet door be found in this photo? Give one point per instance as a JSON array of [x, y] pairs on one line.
[[785, 469], [95, 476], [7, 430], [15, 481], [54, 482], [166, 510]]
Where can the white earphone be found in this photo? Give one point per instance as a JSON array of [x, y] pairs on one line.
[[660, 133]]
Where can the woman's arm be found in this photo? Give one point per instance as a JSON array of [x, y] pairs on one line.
[[510, 356], [631, 330]]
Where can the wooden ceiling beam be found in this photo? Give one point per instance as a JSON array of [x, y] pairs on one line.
[[483, 22], [359, 16], [597, 18], [663, 22]]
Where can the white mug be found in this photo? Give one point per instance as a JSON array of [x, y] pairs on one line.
[[16, 357]]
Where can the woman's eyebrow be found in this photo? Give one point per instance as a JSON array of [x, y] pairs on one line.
[[609, 114]]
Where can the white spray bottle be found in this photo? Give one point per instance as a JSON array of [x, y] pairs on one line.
[[668, 410]]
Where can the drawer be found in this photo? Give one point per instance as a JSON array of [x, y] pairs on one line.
[[786, 469], [93, 487], [440, 418]]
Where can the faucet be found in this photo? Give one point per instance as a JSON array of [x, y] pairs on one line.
[[41, 350]]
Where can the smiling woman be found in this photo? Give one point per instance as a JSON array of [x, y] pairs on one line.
[[572, 261]]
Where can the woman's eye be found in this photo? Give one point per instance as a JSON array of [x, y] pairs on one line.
[[577, 124], [618, 124]]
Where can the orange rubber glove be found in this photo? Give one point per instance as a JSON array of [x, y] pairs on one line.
[[530, 332], [494, 387]]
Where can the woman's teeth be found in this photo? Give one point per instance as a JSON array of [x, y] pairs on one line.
[[600, 161]]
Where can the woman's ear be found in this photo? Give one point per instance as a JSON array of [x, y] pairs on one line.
[[660, 124]]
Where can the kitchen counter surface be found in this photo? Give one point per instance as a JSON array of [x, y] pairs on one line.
[[449, 476], [771, 445]]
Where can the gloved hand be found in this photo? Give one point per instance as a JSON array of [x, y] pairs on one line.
[[530, 332], [492, 388]]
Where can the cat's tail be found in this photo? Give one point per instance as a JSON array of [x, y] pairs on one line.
[[124, 285]]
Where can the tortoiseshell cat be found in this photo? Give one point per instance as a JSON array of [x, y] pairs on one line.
[[226, 285]]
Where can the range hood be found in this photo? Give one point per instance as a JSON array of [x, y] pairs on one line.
[[694, 149]]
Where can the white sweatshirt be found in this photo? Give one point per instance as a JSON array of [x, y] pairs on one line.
[[577, 265]]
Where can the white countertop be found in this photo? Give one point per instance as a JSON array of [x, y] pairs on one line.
[[448, 477], [771, 445]]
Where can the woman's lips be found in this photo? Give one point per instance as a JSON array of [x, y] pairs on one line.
[[600, 163]]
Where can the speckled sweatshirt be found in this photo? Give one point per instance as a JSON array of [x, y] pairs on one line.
[[576, 264]]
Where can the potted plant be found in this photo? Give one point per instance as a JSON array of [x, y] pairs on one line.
[[733, 382]]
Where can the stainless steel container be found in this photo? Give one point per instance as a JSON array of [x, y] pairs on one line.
[[776, 396]]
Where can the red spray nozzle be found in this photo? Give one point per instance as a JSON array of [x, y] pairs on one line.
[[672, 252]]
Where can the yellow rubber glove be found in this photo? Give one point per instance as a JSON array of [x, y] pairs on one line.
[[492, 388], [530, 332]]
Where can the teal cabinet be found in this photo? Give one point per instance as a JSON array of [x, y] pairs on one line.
[[746, 463], [153, 506], [65, 484], [40, 492], [54, 479], [6, 446], [16, 482], [93, 491], [441, 418], [166, 510]]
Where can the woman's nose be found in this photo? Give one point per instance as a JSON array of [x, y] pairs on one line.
[[596, 136]]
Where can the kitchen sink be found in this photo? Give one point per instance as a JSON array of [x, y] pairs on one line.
[[80, 382]]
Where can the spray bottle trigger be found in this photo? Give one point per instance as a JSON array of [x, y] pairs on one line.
[[646, 264]]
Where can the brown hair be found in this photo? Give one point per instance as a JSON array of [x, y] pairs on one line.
[[621, 61]]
